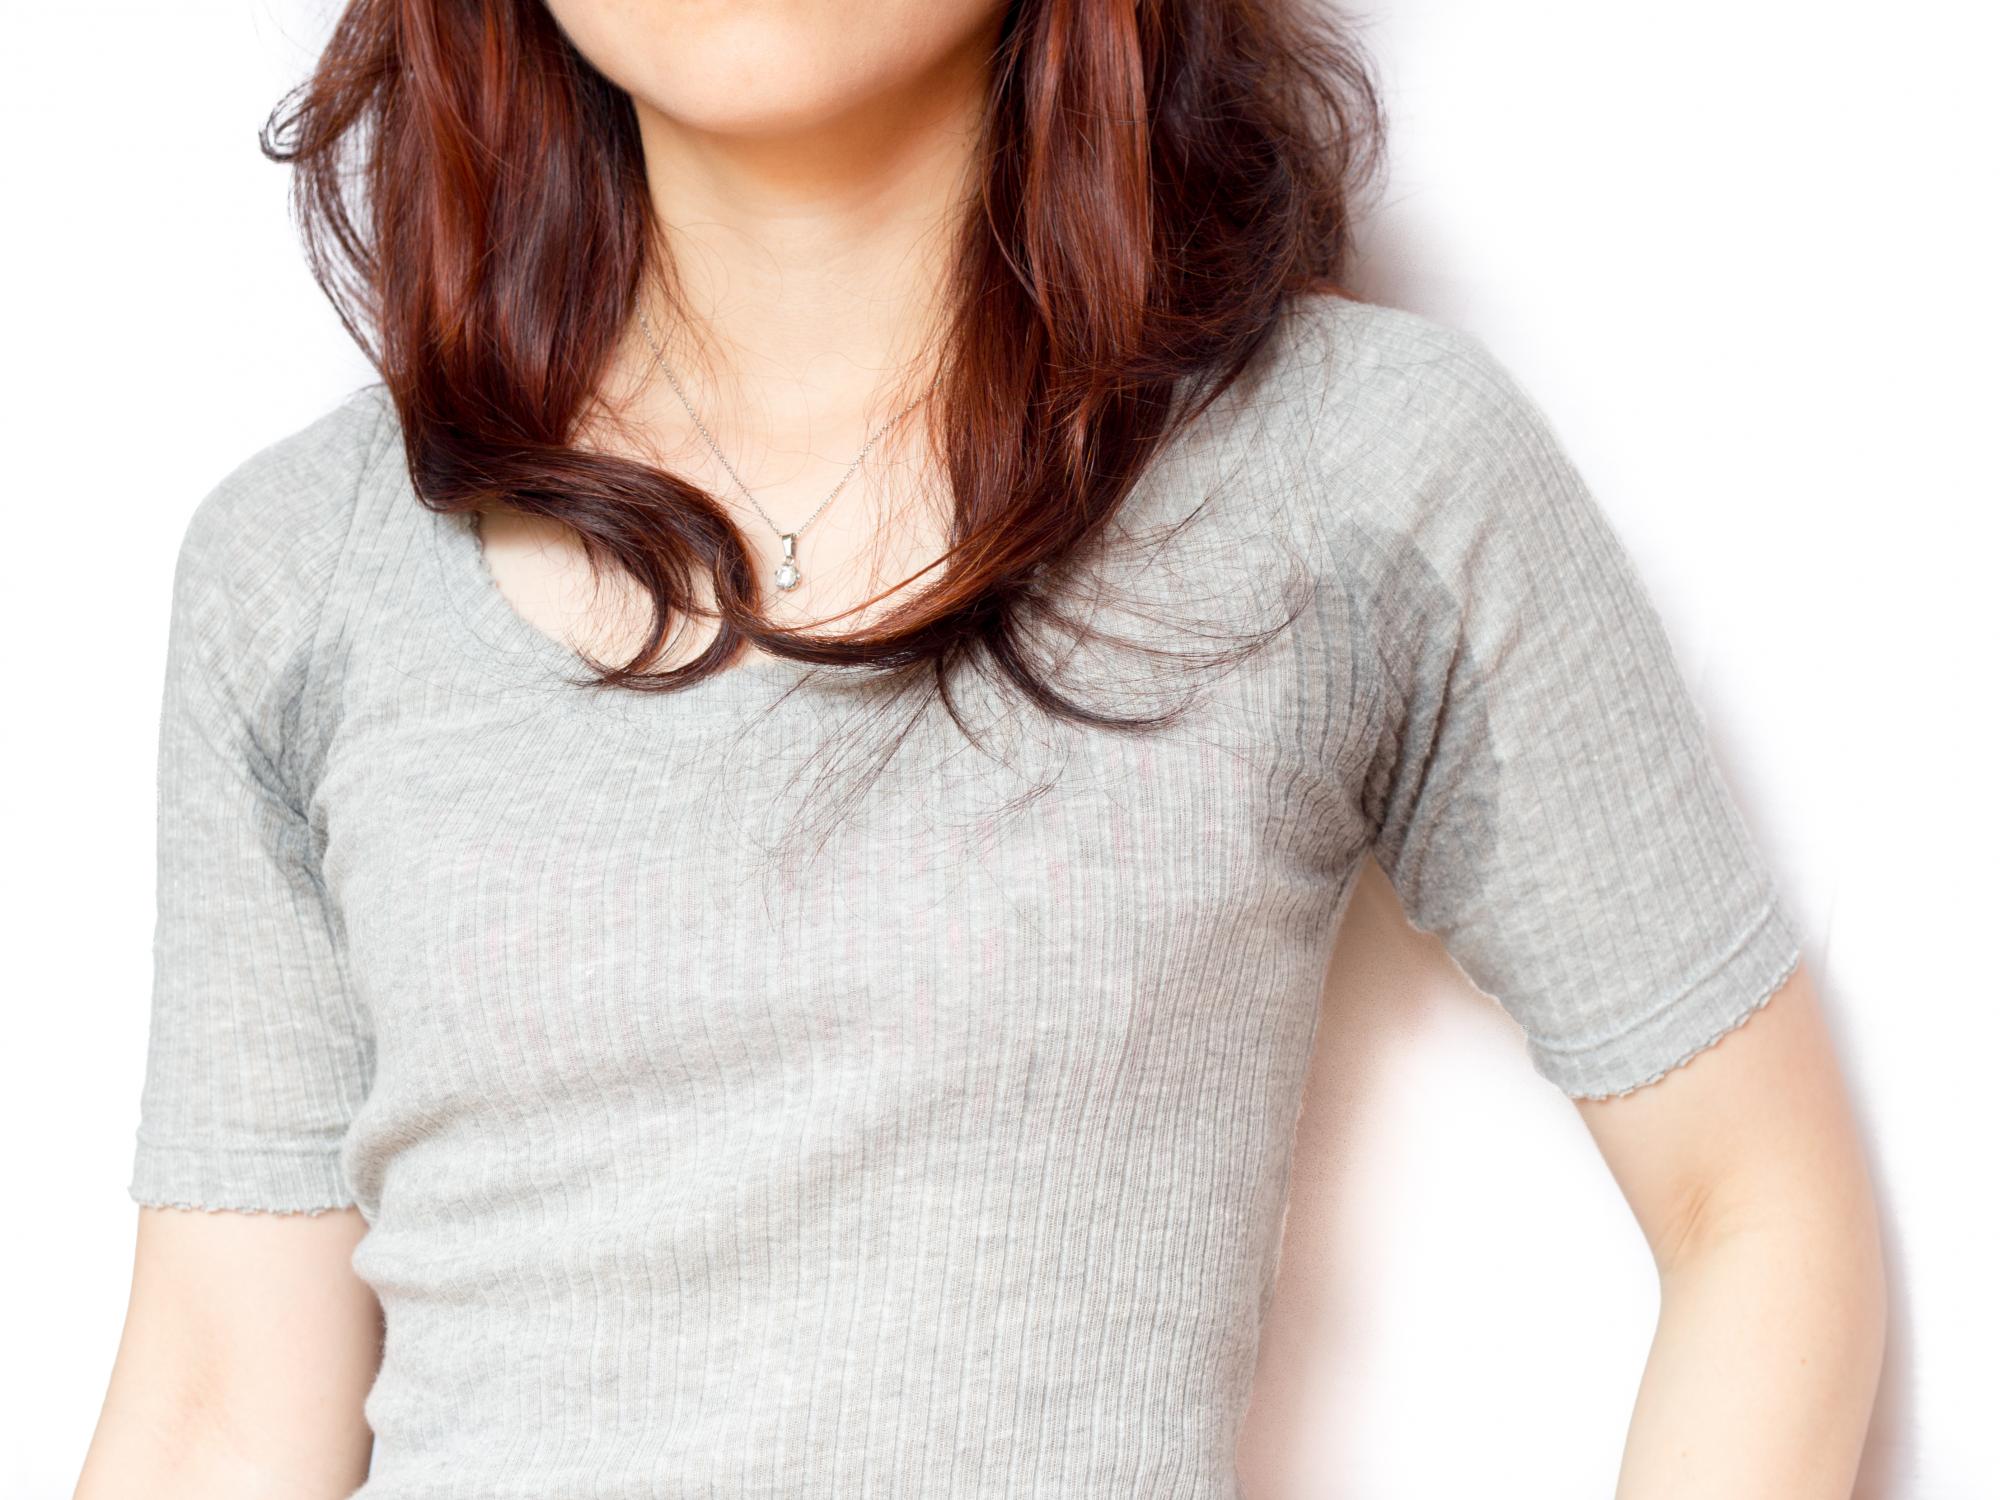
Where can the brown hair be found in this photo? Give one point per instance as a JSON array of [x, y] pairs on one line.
[[1158, 177]]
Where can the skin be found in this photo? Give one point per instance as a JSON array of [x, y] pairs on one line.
[[807, 160], [809, 163], [208, 1394], [1748, 1174]]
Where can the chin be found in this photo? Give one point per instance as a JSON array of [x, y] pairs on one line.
[[760, 69]]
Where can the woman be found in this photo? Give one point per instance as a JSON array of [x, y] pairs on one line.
[[800, 983]]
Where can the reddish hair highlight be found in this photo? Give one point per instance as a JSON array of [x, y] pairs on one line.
[[1157, 178]]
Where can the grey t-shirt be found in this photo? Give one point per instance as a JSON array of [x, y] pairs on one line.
[[943, 1152]]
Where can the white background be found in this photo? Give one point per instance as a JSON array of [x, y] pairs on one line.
[[1742, 253]]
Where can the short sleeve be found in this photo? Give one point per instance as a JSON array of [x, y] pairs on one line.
[[257, 1054], [1547, 800]]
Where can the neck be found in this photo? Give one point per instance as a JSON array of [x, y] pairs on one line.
[[808, 264]]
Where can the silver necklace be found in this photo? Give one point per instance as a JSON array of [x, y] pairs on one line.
[[787, 575]]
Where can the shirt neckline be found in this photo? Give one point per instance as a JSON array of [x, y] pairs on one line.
[[490, 625]]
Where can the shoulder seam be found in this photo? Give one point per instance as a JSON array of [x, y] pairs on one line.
[[365, 471], [313, 642]]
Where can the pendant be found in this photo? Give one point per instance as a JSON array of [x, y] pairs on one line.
[[788, 570]]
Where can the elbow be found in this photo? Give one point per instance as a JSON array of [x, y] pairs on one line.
[[1816, 1263]]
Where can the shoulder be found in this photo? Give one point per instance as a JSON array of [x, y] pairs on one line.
[[1377, 374], [259, 558], [266, 539], [1409, 428]]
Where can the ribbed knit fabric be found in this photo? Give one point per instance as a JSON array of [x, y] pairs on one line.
[[943, 1153]]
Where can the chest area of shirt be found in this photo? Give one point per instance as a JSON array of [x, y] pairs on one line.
[[569, 872]]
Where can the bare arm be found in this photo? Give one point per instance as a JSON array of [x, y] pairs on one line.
[[1746, 1172], [249, 1344]]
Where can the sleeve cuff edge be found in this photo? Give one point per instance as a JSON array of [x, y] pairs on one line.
[[1722, 1002], [240, 1179]]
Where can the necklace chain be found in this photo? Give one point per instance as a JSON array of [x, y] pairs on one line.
[[787, 575]]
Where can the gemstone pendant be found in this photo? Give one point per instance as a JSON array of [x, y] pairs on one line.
[[788, 570]]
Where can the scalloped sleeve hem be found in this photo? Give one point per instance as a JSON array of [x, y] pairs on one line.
[[1725, 997], [277, 1180]]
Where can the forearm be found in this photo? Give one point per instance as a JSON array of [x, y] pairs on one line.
[[1763, 1368]]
